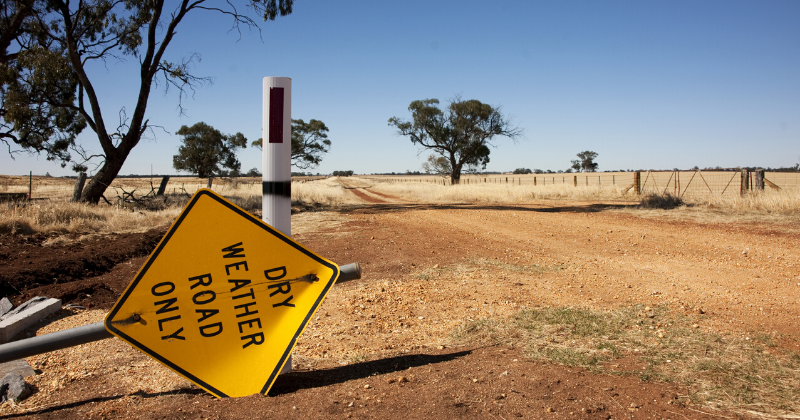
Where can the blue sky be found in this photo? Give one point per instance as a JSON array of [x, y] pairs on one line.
[[646, 85]]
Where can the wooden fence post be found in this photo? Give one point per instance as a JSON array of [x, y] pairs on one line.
[[163, 186], [575, 180], [534, 181], [210, 180], [758, 181], [76, 193], [745, 186], [637, 180], [30, 186]]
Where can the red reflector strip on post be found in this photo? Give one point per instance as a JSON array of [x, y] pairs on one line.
[[276, 115]]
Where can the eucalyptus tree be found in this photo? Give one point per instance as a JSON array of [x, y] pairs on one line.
[[49, 96], [309, 142], [461, 133], [207, 152]]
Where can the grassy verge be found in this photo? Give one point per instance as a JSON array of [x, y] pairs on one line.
[[742, 374], [142, 212], [56, 216]]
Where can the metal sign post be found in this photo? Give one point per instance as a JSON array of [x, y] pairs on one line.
[[276, 163]]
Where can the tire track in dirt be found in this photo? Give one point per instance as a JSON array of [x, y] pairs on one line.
[[370, 196]]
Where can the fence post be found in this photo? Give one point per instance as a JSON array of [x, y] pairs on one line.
[[534, 181], [758, 180], [30, 186], [745, 181], [637, 179], [210, 180], [163, 186], [76, 193], [575, 180]]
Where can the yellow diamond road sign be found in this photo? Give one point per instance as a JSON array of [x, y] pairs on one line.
[[223, 298]]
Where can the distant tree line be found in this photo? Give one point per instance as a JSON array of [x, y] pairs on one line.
[[343, 173]]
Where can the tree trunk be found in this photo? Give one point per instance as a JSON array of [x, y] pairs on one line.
[[455, 174], [455, 178], [102, 179]]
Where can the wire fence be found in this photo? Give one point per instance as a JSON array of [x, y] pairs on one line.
[[684, 184], [697, 184]]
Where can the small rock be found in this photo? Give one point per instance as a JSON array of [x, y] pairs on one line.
[[13, 387], [436, 266], [700, 311], [5, 306], [402, 379], [695, 326], [367, 386]]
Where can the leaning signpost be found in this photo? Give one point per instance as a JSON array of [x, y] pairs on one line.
[[222, 299]]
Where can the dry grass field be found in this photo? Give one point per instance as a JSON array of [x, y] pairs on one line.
[[51, 210]]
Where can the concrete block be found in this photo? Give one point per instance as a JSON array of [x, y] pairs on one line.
[[12, 324], [19, 366]]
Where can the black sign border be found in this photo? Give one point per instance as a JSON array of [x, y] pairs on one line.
[[204, 192]]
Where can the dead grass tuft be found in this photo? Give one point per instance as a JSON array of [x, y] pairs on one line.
[[660, 201]]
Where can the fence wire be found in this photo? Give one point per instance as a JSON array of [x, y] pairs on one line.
[[685, 184]]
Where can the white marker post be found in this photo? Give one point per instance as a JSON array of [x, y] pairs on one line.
[[277, 159]]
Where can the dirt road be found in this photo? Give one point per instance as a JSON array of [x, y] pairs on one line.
[[382, 346]]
